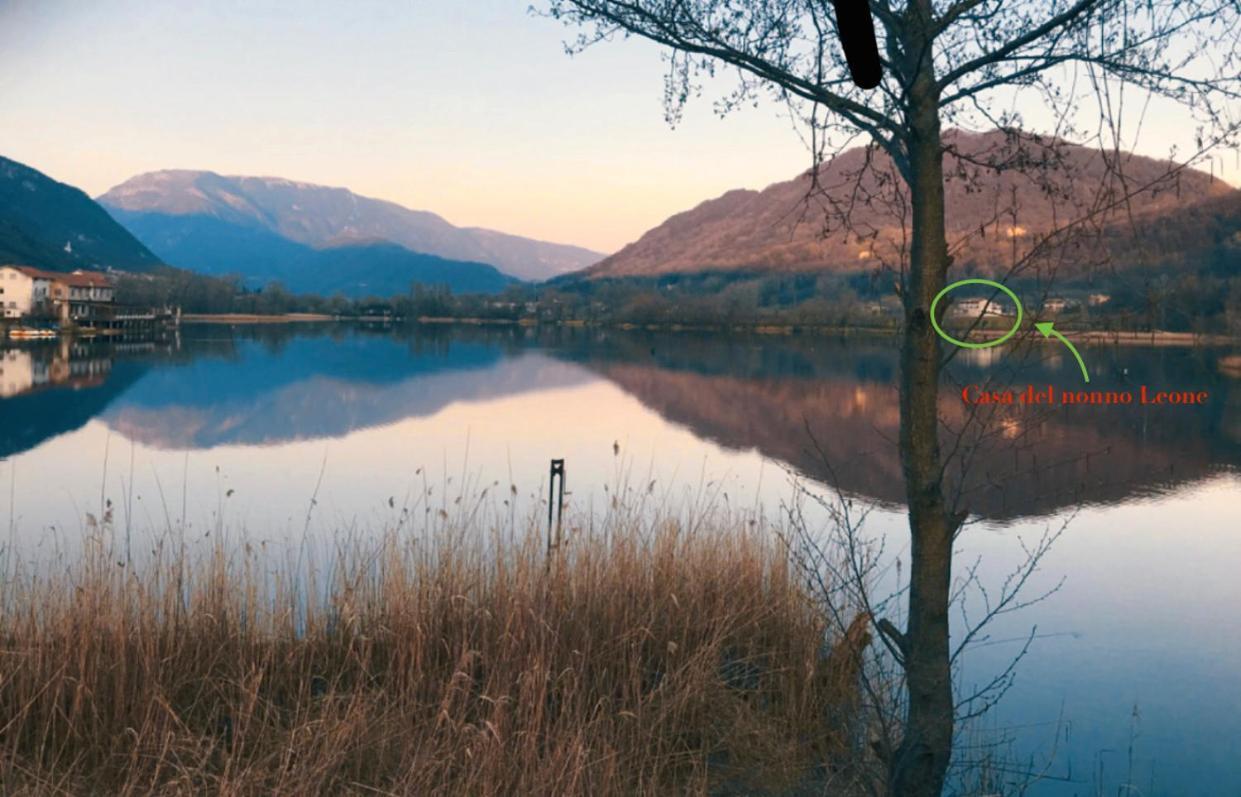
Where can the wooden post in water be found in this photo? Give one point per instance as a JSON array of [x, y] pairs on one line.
[[555, 490]]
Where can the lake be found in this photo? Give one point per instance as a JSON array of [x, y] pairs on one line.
[[280, 433]]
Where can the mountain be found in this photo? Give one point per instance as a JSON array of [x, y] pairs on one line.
[[380, 268], [218, 247], [1004, 191], [231, 219], [55, 226]]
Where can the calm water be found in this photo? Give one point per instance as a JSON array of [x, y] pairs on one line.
[[1134, 677]]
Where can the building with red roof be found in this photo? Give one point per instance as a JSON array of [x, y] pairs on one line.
[[70, 296]]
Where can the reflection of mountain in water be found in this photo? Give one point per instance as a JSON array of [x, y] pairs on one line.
[[259, 386], [266, 386], [313, 387], [1028, 461]]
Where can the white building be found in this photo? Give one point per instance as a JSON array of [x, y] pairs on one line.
[[1055, 304], [79, 295], [978, 307], [21, 288]]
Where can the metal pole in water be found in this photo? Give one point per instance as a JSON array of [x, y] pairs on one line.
[[555, 487]]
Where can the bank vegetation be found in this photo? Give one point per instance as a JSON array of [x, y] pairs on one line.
[[653, 658]]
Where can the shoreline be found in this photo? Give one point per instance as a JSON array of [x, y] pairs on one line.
[[258, 318], [1113, 337], [1155, 338]]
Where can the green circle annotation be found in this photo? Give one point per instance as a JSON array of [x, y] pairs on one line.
[[965, 343]]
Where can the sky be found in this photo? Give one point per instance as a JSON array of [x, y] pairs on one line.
[[471, 109]]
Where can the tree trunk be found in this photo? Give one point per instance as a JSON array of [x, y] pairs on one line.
[[922, 759]]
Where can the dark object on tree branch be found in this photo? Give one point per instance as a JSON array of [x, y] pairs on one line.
[[857, 37]]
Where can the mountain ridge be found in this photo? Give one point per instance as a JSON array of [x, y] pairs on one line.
[[355, 268], [53, 225], [314, 215], [997, 207]]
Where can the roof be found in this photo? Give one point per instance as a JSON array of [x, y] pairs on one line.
[[76, 279], [87, 279], [32, 272]]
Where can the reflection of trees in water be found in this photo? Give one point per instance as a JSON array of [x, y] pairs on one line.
[[1033, 460], [255, 384]]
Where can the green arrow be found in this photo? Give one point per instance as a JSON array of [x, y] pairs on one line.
[[1049, 330]]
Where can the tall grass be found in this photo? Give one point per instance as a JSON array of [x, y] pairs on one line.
[[639, 659]]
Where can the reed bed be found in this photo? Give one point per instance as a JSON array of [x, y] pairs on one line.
[[637, 659]]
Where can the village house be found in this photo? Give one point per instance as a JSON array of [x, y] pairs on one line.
[[70, 296], [90, 295], [21, 290], [1056, 304], [979, 308]]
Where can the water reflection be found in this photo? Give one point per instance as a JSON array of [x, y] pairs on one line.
[[65, 364], [51, 388], [826, 408], [1028, 461], [274, 389]]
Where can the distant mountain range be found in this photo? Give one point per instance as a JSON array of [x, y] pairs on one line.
[[779, 230], [217, 247], [1005, 191], [264, 227], [311, 238], [55, 226]]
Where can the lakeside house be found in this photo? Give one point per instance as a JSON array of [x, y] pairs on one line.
[[90, 295], [1056, 304], [979, 308], [22, 289], [76, 296]]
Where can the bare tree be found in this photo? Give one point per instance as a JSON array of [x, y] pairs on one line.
[[946, 62]]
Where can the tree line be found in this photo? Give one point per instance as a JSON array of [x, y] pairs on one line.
[[1203, 298]]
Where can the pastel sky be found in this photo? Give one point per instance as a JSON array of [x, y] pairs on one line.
[[470, 109]]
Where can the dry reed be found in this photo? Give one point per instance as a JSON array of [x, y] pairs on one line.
[[636, 660]]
